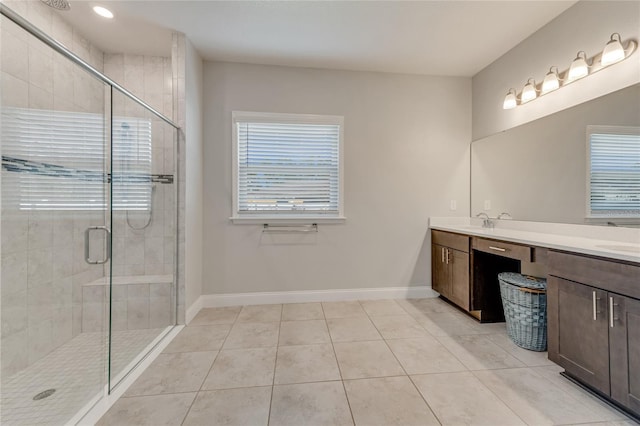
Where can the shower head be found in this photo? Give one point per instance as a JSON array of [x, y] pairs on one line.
[[57, 4]]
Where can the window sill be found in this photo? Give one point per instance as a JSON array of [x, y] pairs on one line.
[[617, 220], [284, 220]]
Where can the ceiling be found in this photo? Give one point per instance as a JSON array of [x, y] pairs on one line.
[[453, 38]]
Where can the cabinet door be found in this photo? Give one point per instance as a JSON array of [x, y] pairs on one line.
[[624, 338], [439, 271], [459, 270], [582, 331]]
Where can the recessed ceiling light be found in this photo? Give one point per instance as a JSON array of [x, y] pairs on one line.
[[105, 13]]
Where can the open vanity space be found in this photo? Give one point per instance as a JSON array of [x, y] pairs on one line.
[[593, 293]]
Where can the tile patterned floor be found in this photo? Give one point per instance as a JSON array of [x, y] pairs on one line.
[[386, 362], [76, 370]]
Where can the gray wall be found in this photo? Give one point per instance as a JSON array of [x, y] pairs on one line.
[[194, 176], [585, 26], [406, 153]]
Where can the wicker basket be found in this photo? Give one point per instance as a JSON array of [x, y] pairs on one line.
[[524, 300]]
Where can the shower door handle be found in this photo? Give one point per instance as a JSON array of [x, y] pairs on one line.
[[87, 234]]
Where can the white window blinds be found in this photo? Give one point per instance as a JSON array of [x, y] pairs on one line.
[[614, 172], [290, 167], [131, 167], [56, 160]]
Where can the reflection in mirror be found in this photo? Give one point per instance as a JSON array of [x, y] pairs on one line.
[[540, 171]]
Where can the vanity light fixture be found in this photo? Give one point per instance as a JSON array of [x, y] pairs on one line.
[[510, 101], [103, 11], [529, 91], [613, 52], [581, 67], [551, 81]]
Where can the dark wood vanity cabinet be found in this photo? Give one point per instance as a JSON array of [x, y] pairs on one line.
[[624, 340], [465, 271], [439, 270], [594, 324], [450, 267], [593, 306], [578, 331]]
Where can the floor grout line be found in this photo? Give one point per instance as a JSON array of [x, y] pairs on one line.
[[405, 371], [344, 387], [208, 371], [499, 399], [275, 366]]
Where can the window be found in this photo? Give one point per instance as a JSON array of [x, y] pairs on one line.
[[287, 166], [613, 172], [55, 160]]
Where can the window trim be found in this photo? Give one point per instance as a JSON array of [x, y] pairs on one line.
[[286, 118], [589, 216]]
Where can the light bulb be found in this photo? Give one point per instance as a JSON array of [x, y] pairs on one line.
[[529, 92], [102, 11], [551, 81], [579, 67], [510, 100], [613, 51]]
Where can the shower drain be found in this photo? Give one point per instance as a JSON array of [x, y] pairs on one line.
[[44, 394]]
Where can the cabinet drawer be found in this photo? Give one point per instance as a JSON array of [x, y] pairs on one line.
[[610, 275], [448, 239], [501, 248]]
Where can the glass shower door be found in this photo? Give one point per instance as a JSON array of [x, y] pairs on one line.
[[143, 231], [54, 197]]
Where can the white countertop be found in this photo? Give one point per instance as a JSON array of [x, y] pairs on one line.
[[614, 244]]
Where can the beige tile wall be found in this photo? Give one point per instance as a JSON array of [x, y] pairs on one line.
[[42, 253], [149, 251]]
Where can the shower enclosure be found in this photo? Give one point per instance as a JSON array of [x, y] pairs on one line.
[[88, 227]]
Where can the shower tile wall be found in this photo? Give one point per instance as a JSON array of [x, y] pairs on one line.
[[42, 265], [149, 251], [42, 252]]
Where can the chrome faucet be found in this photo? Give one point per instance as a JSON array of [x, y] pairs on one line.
[[504, 215], [487, 222]]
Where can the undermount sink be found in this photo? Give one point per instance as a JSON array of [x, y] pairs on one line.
[[620, 247]]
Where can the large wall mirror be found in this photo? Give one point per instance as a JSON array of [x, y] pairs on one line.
[[542, 170]]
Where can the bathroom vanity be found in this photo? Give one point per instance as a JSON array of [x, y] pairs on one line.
[[594, 323], [464, 267], [593, 296]]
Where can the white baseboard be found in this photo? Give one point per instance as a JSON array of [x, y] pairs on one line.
[[336, 295], [193, 310]]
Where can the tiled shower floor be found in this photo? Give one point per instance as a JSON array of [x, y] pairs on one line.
[[76, 370]]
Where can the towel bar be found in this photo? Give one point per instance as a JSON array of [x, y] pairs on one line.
[[272, 229]]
